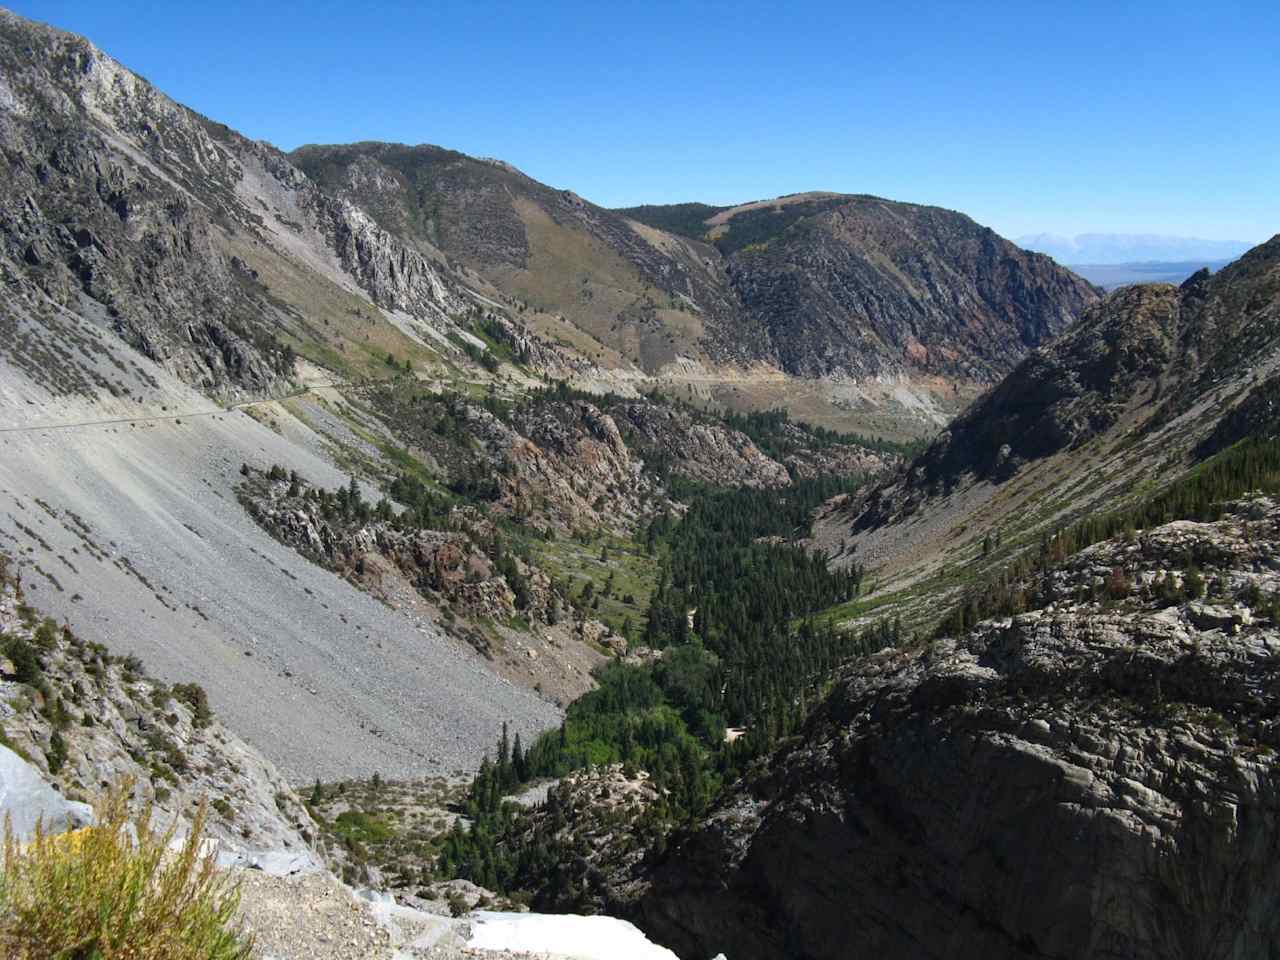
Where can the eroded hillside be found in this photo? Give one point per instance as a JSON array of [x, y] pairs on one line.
[[1150, 382]]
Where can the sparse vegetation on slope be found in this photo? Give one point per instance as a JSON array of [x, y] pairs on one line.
[[1251, 466], [686, 219]]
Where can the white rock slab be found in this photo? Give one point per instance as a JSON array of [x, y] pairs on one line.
[[563, 936], [25, 798]]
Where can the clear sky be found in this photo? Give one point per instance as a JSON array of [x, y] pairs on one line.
[[1030, 116]]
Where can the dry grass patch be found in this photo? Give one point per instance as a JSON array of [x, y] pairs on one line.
[[116, 891]]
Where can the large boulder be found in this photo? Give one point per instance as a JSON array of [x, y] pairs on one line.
[[26, 799]]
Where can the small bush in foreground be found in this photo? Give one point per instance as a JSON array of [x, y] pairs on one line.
[[99, 894]]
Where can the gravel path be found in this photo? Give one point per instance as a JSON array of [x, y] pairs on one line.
[[316, 918]]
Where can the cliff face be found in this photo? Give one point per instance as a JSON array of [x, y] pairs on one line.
[[1167, 346], [205, 251], [1088, 779], [1152, 376]]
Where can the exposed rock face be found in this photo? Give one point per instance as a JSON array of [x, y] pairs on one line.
[[139, 213], [572, 463], [501, 604], [861, 286], [599, 825], [1068, 392], [701, 451], [1258, 415], [542, 248], [1144, 357], [1089, 779], [571, 458], [450, 565], [27, 801]]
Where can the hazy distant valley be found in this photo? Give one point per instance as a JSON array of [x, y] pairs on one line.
[[1109, 276], [815, 571]]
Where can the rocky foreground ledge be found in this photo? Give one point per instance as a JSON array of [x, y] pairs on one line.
[[314, 917], [1093, 778], [297, 910]]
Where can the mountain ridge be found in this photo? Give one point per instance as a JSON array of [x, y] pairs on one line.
[[745, 288]]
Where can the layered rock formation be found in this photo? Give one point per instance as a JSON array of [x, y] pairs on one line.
[[1093, 778], [860, 286], [1163, 345]]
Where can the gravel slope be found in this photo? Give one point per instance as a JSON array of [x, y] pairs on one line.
[[131, 532]]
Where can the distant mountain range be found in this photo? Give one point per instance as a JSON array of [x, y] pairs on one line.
[[1129, 248]]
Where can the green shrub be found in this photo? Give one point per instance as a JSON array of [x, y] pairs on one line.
[[46, 635], [193, 695], [97, 893], [358, 827], [23, 656], [57, 753]]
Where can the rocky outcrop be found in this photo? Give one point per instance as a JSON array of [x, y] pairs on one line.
[[570, 463], [453, 566], [1140, 360], [135, 211], [1066, 393], [570, 458], [1093, 778], [27, 802], [703, 451], [599, 824]]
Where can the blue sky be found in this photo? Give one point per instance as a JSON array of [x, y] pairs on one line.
[[1029, 116]]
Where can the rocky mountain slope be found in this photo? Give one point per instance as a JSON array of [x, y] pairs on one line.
[[223, 260], [860, 286], [207, 252], [815, 285], [1094, 777], [124, 518], [1153, 379], [645, 296], [492, 544]]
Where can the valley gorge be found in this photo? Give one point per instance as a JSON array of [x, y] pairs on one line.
[[462, 561]]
